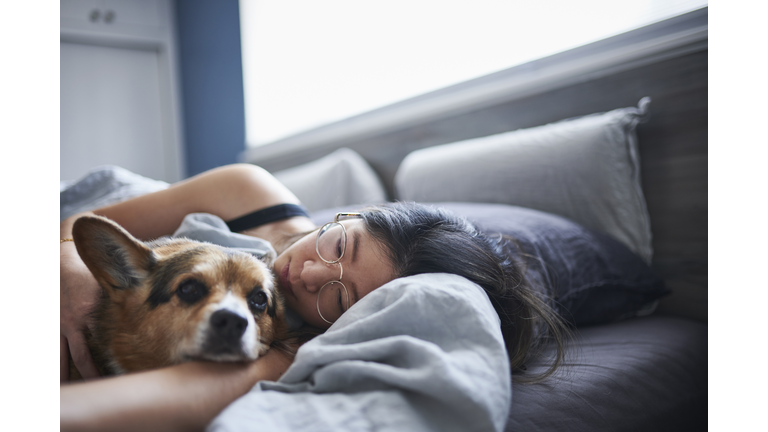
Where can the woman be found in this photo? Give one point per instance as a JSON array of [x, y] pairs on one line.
[[383, 243]]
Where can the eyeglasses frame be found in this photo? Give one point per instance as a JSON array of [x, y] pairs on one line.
[[336, 220]]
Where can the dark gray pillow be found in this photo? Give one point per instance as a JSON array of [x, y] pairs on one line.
[[591, 277]]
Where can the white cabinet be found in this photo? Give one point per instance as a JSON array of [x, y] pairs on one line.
[[137, 13], [119, 88]]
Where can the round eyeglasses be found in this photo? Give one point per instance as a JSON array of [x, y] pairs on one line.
[[331, 243]]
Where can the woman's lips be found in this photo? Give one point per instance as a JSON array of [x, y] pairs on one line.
[[284, 280]]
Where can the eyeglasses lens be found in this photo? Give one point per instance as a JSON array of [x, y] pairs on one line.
[[331, 242], [333, 301]]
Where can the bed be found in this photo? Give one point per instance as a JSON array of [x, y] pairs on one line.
[[637, 365], [603, 183]]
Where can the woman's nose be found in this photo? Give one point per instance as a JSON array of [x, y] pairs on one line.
[[315, 274]]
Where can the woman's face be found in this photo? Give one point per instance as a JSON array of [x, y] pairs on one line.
[[301, 273]]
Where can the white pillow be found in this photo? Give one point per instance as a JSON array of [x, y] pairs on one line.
[[586, 169], [338, 179]]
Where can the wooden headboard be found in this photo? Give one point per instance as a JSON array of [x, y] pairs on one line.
[[666, 61]]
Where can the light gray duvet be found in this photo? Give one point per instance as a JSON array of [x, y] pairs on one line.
[[423, 353]]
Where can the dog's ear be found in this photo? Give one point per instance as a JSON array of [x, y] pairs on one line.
[[116, 258]]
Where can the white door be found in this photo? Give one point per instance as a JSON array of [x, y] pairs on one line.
[[111, 111]]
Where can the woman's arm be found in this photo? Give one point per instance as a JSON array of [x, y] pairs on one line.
[[228, 192], [182, 397]]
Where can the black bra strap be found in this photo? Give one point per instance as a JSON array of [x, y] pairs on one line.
[[265, 216]]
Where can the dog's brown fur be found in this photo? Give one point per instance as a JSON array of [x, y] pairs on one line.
[[143, 321]]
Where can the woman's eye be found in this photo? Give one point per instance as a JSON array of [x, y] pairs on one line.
[[338, 249], [342, 300], [191, 291], [258, 301]]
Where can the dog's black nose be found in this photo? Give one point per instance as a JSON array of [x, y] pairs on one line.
[[228, 325]]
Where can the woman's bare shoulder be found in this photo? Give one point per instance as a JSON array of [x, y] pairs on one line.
[[282, 233]]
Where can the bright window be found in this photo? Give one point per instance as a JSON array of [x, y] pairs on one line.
[[307, 62]]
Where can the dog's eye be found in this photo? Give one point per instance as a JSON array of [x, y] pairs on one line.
[[258, 301], [191, 291]]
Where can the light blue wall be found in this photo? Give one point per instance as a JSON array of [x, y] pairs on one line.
[[211, 82]]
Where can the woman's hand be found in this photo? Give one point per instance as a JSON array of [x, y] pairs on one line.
[[78, 291]]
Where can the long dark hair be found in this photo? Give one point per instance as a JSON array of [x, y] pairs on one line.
[[424, 239]]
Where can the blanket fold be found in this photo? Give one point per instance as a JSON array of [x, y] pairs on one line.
[[422, 353]]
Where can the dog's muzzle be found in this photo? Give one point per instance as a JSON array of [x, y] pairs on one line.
[[225, 333]]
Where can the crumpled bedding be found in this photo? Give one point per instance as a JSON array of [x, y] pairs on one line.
[[423, 353], [103, 186]]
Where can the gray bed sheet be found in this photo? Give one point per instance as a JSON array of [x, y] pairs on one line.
[[643, 374]]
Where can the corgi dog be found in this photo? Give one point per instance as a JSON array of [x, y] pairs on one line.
[[173, 300]]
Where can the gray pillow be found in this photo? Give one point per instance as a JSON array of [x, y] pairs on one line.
[[340, 178], [586, 169], [591, 277]]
